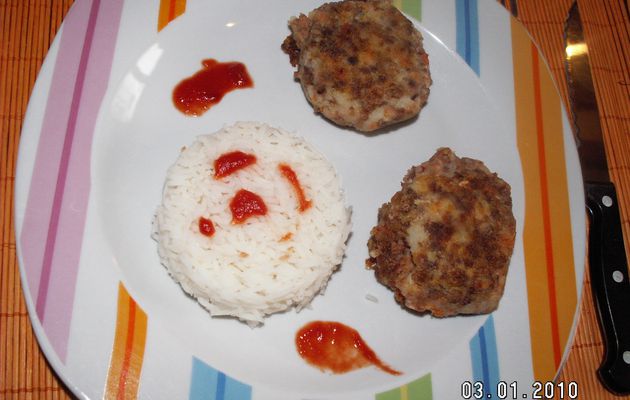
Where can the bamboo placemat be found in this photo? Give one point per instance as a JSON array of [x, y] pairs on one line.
[[27, 28]]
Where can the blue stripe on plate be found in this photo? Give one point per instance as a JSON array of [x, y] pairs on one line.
[[467, 34], [208, 383], [485, 361], [220, 394]]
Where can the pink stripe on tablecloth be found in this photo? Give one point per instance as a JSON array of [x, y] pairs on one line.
[[71, 184]]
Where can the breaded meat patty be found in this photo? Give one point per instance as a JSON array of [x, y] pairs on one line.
[[444, 242], [360, 63]]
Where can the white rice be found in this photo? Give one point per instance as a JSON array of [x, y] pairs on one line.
[[251, 270]]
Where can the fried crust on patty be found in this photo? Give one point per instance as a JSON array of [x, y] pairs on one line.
[[443, 243], [361, 63]]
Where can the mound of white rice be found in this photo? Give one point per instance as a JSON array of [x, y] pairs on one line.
[[268, 263]]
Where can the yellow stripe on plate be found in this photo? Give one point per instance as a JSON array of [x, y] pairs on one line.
[[125, 366], [404, 393], [547, 235]]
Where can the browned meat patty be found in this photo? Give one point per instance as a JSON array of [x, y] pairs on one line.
[[444, 241], [360, 63]]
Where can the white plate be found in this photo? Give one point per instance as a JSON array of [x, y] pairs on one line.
[[101, 131]]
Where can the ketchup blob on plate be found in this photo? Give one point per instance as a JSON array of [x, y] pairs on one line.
[[337, 348], [196, 94]]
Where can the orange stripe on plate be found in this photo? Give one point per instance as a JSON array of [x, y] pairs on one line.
[[544, 197], [169, 10], [559, 209], [547, 239], [124, 369], [128, 350]]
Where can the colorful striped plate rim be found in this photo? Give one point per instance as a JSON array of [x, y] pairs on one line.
[[105, 338]]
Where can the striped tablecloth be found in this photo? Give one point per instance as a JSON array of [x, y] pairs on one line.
[[27, 29]]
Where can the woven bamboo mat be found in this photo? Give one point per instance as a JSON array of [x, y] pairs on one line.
[[27, 28]]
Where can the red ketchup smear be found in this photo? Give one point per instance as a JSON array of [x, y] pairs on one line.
[[246, 204], [196, 94], [335, 347], [288, 173], [206, 227], [231, 162]]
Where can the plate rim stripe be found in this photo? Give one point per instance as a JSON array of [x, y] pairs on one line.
[[53, 226], [484, 355], [208, 382], [412, 8], [467, 32], [49, 146], [59, 186], [551, 314], [483, 346], [544, 193], [128, 348], [420, 388], [168, 11]]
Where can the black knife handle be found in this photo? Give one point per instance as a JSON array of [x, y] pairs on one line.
[[609, 283]]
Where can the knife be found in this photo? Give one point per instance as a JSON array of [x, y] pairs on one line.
[[607, 256]]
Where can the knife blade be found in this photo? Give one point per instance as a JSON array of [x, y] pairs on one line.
[[608, 265]]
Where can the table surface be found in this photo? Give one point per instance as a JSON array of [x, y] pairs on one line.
[[27, 29]]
